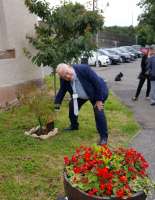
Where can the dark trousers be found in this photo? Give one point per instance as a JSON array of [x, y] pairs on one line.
[[100, 119], [140, 85]]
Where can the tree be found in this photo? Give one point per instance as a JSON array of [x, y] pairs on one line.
[[146, 27], [64, 33], [148, 16], [145, 34]]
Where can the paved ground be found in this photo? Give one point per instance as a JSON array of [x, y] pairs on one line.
[[144, 113]]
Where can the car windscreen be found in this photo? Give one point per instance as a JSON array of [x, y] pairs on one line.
[[103, 52]]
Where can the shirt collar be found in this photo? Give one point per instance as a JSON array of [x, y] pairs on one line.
[[74, 75]]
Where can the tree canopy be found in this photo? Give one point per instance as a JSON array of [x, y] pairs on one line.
[[146, 27], [64, 32]]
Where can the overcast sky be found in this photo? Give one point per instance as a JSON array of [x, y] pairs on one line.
[[119, 12]]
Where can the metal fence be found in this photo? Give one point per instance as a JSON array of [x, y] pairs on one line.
[[111, 40]]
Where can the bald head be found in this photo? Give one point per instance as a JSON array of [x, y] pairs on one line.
[[65, 71]]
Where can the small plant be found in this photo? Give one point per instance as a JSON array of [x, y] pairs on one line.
[[42, 107], [98, 171]]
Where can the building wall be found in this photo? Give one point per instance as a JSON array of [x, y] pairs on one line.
[[3, 28], [15, 23]]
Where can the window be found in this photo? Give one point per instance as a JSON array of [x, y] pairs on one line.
[[6, 54]]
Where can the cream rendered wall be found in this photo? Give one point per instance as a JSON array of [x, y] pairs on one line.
[[15, 23]]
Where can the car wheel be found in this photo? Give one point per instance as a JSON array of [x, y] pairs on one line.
[[99, 64], [110, 62], [123, 60]]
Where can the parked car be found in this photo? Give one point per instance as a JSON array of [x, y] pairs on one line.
[[124, 56], [102, 59], [136, 46], [124, 50], [136, 52], [115, 59]]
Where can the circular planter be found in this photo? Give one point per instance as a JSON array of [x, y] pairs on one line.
[[76, 194]]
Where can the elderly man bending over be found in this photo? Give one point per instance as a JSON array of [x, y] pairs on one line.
[[83, 84]]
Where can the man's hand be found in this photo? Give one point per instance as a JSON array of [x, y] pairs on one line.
[[99, 105], [57, 107]]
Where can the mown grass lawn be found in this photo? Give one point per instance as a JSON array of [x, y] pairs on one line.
[[31, 169]]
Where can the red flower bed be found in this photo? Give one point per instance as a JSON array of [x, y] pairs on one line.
[[98, 171]]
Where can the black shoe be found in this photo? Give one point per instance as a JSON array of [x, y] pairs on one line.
[[70, 128], [102, 142]]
